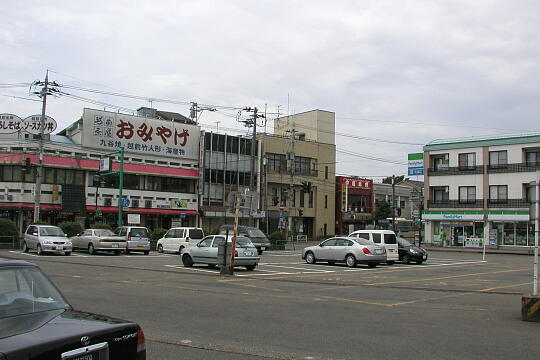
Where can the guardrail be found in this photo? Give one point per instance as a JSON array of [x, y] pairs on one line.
[[8, 242]]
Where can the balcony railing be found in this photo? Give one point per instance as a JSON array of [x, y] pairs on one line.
[[457, 170], [512, 168], [508, 203], [455, 204]]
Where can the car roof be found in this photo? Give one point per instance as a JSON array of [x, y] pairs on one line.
[[185, 227], [9, 262], [373, 231]]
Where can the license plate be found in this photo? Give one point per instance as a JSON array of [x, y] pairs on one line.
[[377, 251], [390, 250], [139, 246], [54, 248], [87, 357], [114, 245], [248, 253], [263, 247]]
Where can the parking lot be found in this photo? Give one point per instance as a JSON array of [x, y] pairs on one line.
[[453, 306]]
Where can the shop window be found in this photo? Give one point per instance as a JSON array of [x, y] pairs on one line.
[[79, 177], [521, 233], [498, 159], [467, 161], [61, 176], [17, 173], [509, 234], [467, 194], [498, 193], [48, 176]]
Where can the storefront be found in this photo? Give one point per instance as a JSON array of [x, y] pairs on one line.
[[471, 229]]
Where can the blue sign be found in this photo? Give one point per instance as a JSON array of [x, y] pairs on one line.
[[416, 171], [125, 202], [282, 215], [182, 215]]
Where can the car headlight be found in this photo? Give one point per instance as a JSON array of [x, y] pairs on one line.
[[413, 251]]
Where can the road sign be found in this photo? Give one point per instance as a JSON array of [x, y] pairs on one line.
[[281, 207], [182, 215], [125, 202]]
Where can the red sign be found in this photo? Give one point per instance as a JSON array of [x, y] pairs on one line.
[[282, 207], [356, 183]]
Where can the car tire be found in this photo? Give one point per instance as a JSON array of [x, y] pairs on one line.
[[372, 265], [390, 262], [419, 262], [160, 248], [406, 259], [91, 249], [146, 252], [25, 247], [251, 267], [39, 250], [187, 260], [211, 266], [310, 258], [350, 261], [67, 253]]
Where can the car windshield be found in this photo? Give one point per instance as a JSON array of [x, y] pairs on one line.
[[255, 233], [104, 233], [139, 232], [51, 231], [401, 241], [196, 234], [25, 290], [362, 241], [243, 242]]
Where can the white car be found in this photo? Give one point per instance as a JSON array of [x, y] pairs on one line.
[[179, 238], [46, 238], [386, 238], [94, 240]]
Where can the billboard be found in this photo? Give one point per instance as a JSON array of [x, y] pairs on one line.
[[10, 124], [416, 164], [108, 131], [356, 183]]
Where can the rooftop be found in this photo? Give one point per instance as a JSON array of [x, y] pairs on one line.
[[488, 140]]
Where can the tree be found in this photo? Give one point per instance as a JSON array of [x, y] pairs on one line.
[[383, 210], [399, 179]]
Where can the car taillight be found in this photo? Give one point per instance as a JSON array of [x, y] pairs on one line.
[[141, 344], [366, 250]]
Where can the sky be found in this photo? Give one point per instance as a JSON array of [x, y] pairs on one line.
[[404, 72]]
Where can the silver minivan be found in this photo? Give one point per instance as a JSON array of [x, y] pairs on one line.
[[46, 238], [137, 238]]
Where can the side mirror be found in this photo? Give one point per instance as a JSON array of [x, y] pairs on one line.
[[320, 245], [65, 235], [35, 233]]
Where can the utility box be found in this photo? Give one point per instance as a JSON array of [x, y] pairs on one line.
[[224, 258]]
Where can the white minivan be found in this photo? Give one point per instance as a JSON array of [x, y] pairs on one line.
[[179, 238], [383, 237]]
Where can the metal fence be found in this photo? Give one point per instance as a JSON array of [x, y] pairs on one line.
[[9, 242]]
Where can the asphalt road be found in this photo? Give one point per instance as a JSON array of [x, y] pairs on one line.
[[455, 306]]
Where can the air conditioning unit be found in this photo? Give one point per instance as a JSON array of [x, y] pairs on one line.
[[107, 202], [135, 203], [148, 204]]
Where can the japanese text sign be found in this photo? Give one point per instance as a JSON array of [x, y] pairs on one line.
[[10, 124]]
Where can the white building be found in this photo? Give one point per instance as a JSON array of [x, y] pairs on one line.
[[479, 189]]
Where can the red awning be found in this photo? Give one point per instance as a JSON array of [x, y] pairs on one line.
[[19, 205], [114, 209]]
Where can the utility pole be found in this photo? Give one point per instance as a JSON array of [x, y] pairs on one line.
[[394, 203], [39, 172], [291, 187]]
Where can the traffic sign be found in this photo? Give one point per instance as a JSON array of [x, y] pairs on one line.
[[125, 202], [281, 207]]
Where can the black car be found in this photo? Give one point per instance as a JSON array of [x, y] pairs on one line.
[[36, 322], [409, 252], [256, 236]]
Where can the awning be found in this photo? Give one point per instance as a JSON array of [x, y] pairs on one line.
[[114, 209], [19, 205]]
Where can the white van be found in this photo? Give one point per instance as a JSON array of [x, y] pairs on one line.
[[383, 237], [179, 238]]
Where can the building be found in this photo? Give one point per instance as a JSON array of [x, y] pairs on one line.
[[479, 189], [298, 174], [354, 204], [402, 202], [161, 170]]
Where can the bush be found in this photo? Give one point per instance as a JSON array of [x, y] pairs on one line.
[[157, 233], [8, 228], [277, 235], [71, 228], [101, 225]]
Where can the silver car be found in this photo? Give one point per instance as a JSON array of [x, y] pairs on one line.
[[95, 240], [351, 251], [46, 238], [206, 252], [137, 238]]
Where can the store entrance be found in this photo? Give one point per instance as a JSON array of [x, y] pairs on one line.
[[460, 233]]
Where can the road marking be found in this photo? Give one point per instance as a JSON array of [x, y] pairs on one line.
[[192, 269], [298, 268]]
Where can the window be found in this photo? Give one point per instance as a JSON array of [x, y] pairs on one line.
[[275, 198], [283, 196], [302, 165], [310, 200], [498, 193], [390, 239], [439, 161], [376, 238], [326, 201], [302, 198], [276, 162], [467, 194], [498, 159], [467, 161], [326, 172], [440, 194], [532, 157], [293, 204]]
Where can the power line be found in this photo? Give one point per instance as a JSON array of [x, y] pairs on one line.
[[370, 157]]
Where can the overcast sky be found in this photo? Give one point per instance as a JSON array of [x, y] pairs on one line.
[[392, 70]]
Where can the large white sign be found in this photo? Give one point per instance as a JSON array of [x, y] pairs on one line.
[[108, 130], [10, 124]]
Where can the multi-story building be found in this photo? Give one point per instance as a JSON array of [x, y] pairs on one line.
[[301, 157], [479, 189], [402, 193], [354, 203], [161, 170]]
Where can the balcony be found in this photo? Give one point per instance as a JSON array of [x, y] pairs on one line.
[[455, 204], [508, 203], [513, 168], [456, 170]]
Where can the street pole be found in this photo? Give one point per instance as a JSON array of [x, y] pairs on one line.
[[253, 184], [394, 203], [291, 187], [536, 233], [39, 172], [120, 187]]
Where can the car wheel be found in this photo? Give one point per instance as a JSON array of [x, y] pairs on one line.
[[390, 262], [406, 259], [350, 260], [146, 252], [91, 249], [419, 262], [251, 267], [39, 250], [187, 260], [160, 248], [310, 258], [67, 253], [331, 262], [372, 265], [24, 247], [211, 266]]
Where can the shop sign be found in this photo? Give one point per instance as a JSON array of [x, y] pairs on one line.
[[453, 217], [107, 130], [163, 206], [416, 164], [473, 242], [509, 217], [134, 219], [179, 203], [356, 183], [10, 124], [457, 223], [493, 237]]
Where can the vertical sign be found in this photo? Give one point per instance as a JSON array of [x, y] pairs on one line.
[[416, 164], [343, 197]]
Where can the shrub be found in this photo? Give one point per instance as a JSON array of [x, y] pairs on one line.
[[277, 235], [101, 225], [8, 228], [157, 233], [71, 228]]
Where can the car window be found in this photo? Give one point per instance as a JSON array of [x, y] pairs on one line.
[[403, 242], [390, 239], [329, 242], [103, 232], [363, 241], [218, 240], [123, 232], [343, 242], [139, 232], [169, 234], [30, 230], [376, 238], [363, 235], [196, 234], [206, 242], [243, 242], [51, 231], [255, 233]]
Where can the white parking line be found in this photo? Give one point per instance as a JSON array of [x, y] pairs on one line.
[[298, 268], [181, 267]]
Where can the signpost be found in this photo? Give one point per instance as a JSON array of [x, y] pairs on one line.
[[120, 173], [416, 164]]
